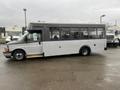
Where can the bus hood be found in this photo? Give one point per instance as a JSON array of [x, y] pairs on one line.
[[14, 42]]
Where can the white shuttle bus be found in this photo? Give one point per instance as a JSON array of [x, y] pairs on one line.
[[49, 39]]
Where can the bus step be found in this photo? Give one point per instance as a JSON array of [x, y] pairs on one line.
[[34, 56]]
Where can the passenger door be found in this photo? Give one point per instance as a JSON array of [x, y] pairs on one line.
[[34, 43]]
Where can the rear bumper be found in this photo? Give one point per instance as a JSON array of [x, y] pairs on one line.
[[7, 54]]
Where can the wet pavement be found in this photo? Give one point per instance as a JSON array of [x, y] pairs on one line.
[[74, 72]]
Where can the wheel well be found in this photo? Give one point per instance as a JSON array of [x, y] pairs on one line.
[[18, 49], [85, 47]]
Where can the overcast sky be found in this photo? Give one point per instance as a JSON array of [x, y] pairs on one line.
[[66, 11]]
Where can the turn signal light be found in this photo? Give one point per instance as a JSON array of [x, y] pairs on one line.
[[6, 49]]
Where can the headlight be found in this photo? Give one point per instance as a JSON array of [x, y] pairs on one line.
[[6, 49]]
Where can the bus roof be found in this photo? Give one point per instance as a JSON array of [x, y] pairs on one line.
[[38, 25]]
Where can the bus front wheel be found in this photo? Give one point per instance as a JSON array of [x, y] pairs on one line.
[[85, 51], [19, 55]]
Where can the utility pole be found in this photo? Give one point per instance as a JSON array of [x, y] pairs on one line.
[[25, 17], [25, 27]]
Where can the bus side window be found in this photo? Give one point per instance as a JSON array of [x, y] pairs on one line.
[[100, 33], [84, 33], [54, 33], [79, 33], [65, 35], [92, 33]]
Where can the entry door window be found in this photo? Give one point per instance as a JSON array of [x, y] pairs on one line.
[[33, 37]]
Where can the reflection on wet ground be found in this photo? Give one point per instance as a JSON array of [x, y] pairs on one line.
[[95, 72]]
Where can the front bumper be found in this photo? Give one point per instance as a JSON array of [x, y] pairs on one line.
[[7, 54]]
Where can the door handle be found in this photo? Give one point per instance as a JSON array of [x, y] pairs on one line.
[[59, 46]]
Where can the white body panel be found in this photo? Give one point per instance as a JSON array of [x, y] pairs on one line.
[[53, 48], [72, 47], [30, 48]]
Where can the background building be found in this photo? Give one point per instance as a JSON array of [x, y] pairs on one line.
[[13, 31]]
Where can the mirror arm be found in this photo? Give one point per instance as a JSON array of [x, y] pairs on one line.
[[26, 40], [39, 42]]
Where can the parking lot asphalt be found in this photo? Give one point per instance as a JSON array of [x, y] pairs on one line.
[[72, 72]]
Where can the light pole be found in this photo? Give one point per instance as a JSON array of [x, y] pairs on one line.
[[24, 9], [101, 18], [25, 27]]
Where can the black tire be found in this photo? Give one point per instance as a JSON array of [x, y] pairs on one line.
[[85, 51], [19, 55]]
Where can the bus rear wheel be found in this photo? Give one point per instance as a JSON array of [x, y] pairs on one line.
[[18, 55], [85, 51]]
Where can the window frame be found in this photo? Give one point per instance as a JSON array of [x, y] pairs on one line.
[[39, 36], [79, 30]]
